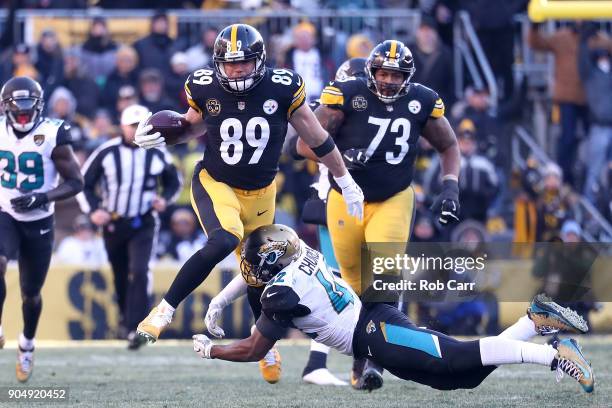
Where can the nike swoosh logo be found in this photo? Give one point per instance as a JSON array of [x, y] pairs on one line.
[[44, 231], [369, 352], [32, 199], [261, 213], [270, 294]]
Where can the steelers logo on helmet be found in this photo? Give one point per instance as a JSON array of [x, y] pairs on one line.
[[21, 101], [391, 55], [239, 44]]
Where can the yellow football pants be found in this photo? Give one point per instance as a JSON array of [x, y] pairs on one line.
[[237, 211], [385, 221]]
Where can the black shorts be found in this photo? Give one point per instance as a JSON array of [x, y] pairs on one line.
[[386, 336], [31, 244]]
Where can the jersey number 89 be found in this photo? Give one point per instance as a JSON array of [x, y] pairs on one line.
[[232, 146]]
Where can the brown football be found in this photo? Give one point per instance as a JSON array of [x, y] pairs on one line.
[[172, 125]]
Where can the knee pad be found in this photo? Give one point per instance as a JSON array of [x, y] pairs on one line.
[[220, 243]]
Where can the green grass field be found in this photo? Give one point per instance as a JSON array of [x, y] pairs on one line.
[[168, 374]]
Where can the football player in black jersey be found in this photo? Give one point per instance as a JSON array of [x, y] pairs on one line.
[[376, 122], [244, 108]]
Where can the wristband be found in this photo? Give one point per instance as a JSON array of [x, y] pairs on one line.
[[326, 147]]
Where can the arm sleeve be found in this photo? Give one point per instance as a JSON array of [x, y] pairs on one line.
[[269, 328], [170, 178], [92, 171], [234, 290]]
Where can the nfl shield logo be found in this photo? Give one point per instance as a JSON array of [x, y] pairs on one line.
[[241, 105]]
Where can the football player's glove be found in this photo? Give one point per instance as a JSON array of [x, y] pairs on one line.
[[143, 139], [29, 202], [352, 194], [212, 317], [447, 203], [354, 158], [202, 345]]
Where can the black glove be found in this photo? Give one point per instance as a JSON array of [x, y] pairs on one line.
[[29, 202], [447, 203], [354, 158]]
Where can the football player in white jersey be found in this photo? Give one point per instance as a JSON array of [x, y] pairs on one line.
[[300, 292], [33, 151]]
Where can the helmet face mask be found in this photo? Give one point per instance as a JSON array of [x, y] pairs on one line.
[[393, 56], [239, 43], [22, 103], [267, 251]]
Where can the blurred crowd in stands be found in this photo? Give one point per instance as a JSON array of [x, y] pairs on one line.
[[89, 84]]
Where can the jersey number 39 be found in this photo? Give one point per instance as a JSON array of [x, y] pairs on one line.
[[28, 163]]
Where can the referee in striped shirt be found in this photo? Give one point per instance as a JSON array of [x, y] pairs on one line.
[[125, 188]]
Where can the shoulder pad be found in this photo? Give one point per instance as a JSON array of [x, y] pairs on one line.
[[279, 299], [431, 100], [337, 92], [195, 85]]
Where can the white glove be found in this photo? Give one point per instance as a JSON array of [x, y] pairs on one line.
[[212, 317], [352, 194], [143, 139], [202, 345]]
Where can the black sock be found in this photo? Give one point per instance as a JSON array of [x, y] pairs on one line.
[[197, 268], [31, 308], [316, 360], [3, 263], [2, 296]]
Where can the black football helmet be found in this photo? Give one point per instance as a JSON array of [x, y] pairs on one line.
[[267, 251], [21, 101], [395, 56], [239, 42], [354, 67]]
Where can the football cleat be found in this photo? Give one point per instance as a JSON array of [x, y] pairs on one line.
[[135, 341], [571, 361], [550, 317], [357, 371], [322, 376], [152, 326], [371, 379], [25, 364], [270, 366]]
